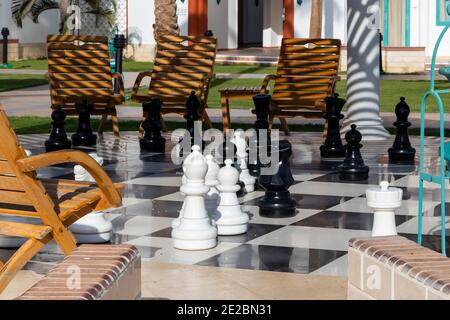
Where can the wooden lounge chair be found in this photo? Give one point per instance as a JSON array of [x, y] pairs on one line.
[[307, 73], [182, 64], [79, 70], [56, 203]]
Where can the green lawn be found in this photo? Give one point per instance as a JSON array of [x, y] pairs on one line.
[[17, 81]]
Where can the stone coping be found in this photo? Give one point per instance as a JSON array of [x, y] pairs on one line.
[[92, 272]]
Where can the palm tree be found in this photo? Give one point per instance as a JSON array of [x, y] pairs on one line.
[[315, 30], [102, 9], [166, 21]]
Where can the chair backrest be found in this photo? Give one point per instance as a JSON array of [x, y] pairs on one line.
[[15, 196], [181, 64], [306, 70], [79, 66]]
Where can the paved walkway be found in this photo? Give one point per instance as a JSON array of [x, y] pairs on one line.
[[35, 101]]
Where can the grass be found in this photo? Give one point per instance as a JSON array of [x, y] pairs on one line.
[[35, 125], [18, 81], [391, 91]]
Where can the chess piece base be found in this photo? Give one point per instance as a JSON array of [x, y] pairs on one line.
[[194, 235], [407, 155], [92, 228], [354, 175], [277, 204], [57, 145], [157, 145], [332, 153], [84, 139]]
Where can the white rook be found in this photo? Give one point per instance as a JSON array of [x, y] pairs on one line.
[[384, 201], [363, 69]]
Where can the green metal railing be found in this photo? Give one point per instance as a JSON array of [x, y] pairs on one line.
[[444, 174]]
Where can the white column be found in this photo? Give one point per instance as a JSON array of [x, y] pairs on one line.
[[223, 21], [273, 23], [363, 75]]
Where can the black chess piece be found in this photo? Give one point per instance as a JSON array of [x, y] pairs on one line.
[[192, 115], [262, 112], [277, 201], [402, 151], [152, 139], [58, 138], [333, 147], [353, 167], [84, 136]]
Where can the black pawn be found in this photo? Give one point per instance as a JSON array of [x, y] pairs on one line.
[[402, 151], [152, 140], [58, 138], [262, 112], [84, 135], [333, 147], [353, 167], [192, 115], [277, 201]]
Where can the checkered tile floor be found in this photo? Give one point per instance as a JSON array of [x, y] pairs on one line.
[[330, 211]]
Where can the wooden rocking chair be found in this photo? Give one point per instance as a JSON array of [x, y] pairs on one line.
[[182, 64], [57, 203]]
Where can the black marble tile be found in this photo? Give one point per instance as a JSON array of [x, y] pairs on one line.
[[374, 179], [345, 220], [308, 201], [272, 258]]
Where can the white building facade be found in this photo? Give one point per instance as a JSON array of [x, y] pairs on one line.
[[409, 26]]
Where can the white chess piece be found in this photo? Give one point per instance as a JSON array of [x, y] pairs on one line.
[[384, 201], [176, 221], [93, 227], [195, 231], [230, 219], [212, 197], [241, 147]]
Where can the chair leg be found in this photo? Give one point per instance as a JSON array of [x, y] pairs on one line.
[[225, 105], [102, 124], [164, 125], [271, 117], [27, 251], [325, 131], [284, 126], [207, 119], [115, 125]]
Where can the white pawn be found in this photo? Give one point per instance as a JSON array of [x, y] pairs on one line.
[[241, 147], [212, 197], [93, 227], [176, 222], [230, 219], [195, 231]]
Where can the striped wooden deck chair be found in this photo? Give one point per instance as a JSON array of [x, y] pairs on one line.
[[182, 64], [307, 73], [56, 204], [79, 69]]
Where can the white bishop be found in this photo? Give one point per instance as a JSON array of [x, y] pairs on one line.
[[230, 220]]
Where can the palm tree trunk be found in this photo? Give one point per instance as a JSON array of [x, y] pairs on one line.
[[63, 15], [315, 30], [166, 21]]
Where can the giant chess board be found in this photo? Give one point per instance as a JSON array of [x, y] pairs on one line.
[[330, 211]]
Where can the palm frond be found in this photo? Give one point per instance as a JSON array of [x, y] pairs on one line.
[[108, 14], [40, 6], [20, 9]]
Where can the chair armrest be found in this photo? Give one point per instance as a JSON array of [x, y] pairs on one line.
[[119, 78], [266, 81], [71, 156], [139, 79], [333, 83]]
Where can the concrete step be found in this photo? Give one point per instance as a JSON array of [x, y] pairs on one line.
[[438, 65], [224, 58], [246, 62]]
